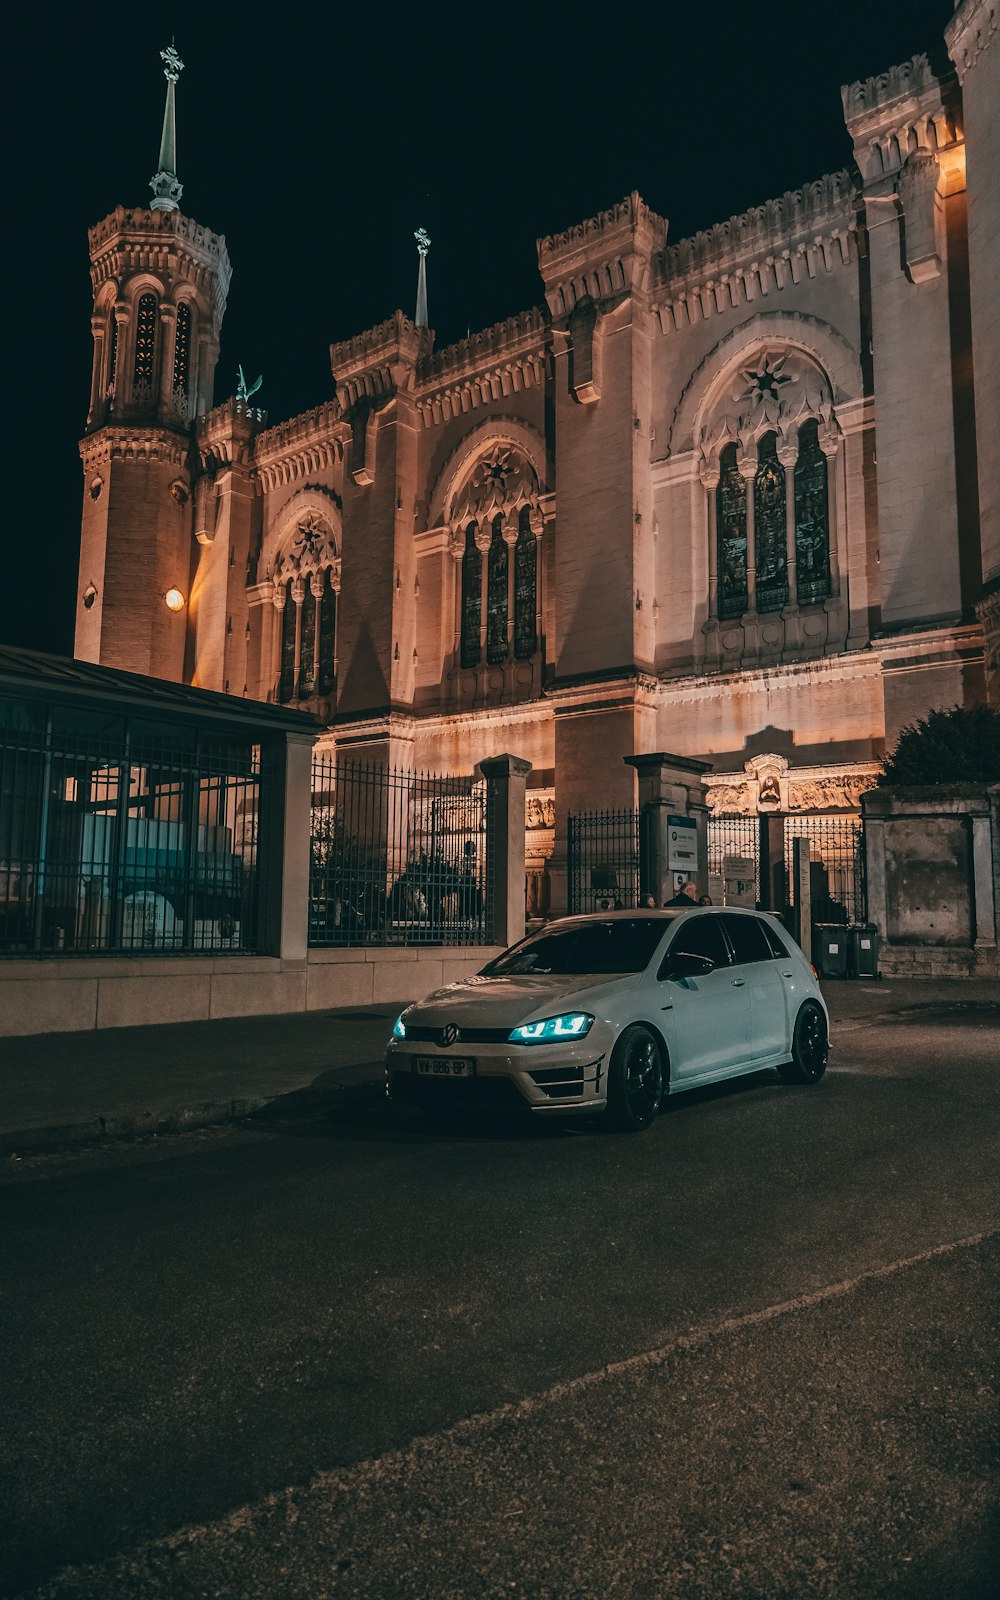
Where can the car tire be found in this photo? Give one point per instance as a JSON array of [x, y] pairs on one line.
[[810, 1047], [636, 1078]]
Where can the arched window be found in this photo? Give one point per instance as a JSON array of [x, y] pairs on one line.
[[112, 355], [327, 635], [731, 521], [525, 590], [770, 527], [496, 595], [286, 681], [145, 347], [307, 645], [472, 599], [182, 349], [812, 521]]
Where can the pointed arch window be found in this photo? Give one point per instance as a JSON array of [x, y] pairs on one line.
[[770, 525], [307, 645], [731, 520], [472, 599], [286, 680], [327, 635], [182, 349], [496, 594], [145, 346], [112, 355], [812, 518], [525, 588]]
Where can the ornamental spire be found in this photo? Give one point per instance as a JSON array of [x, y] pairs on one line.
[[166, 186], [423, 245]]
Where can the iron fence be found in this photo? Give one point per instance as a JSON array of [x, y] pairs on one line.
[[734, 860], [604, 860], [838, 889], [123, 835], [397, 857]]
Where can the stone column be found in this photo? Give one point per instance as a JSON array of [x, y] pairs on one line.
[[484, 538], [748, 472], [510, 533], [506, 778], [283, 841], [803, 895], [670, 786]]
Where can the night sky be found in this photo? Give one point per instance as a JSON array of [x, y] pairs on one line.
[[317, 138]]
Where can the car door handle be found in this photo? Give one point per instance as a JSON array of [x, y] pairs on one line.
[[788, 974], [738, 983]]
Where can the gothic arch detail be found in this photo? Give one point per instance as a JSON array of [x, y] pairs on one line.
[[460, 465]]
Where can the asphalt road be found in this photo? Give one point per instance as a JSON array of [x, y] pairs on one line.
[[749, 1353]]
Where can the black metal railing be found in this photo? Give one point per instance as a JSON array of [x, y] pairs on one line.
[[603, 860], [397, 857], [124, 836], [734, 860], [837, 884]]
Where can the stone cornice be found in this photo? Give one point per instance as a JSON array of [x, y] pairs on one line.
[[969, 32], [134, 444], [380, 361], [225, 435], [909, 106], [484, 368], [804, 234], [130, 241], [605, 257], [301, 447], [877, 97]]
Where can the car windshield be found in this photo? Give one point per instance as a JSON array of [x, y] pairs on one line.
[[621, 944]]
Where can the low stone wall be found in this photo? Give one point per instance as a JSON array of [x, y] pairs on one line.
[[70, 996]]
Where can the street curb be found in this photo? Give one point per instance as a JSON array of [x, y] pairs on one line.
[[184, 1119]]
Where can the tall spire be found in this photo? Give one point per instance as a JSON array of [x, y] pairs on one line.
[[165, 184], [423, 245]]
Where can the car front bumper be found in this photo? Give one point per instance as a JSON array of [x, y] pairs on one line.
[[546, 1079]]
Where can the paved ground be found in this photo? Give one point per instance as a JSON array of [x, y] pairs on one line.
[[336, 1353]]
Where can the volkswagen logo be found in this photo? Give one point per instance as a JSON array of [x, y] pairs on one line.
[[448, 1036]]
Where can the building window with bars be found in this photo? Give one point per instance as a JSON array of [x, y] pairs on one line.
[[525, 588], [472, 599], [496, 595], [770, 527], [731, 517], [182, 349], [812, 518], [144, 366]]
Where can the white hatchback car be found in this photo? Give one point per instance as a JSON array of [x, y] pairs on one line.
[[613, 1012]]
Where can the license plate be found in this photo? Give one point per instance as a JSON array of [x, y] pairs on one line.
[[444, 1066]]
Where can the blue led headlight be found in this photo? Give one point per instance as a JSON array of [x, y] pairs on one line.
[[574, 1025], [399, 1027]]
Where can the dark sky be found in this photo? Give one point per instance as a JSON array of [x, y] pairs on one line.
[[317, 138]]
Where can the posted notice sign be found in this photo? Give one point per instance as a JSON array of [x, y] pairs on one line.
[[682, 845]]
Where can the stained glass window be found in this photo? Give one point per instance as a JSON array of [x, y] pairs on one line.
[[307, 645], [327, 634], [112, 353], [286, 682], [145, 346], [472, 598], [182, 349], [496, 595], [525, 597], [731, 522], [812, 522], [770, 527]]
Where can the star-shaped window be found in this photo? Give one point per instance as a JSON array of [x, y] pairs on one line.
[[763, 384]]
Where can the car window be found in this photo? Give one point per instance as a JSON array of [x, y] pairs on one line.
[[773, 937], [621, 944], [748, 940], [698, 936]]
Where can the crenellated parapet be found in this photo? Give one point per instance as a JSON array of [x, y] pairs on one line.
[[970, 32], [226, 434], [491, 365], [130, 242], [909, 108], [748, 260], [605, 257], [301, 447], [381, 361]]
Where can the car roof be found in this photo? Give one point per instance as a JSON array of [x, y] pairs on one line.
[[664, 912]]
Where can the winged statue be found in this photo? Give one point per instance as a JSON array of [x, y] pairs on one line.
[[243, 391]]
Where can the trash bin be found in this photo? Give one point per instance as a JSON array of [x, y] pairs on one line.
[[830, 949], [864, 952]]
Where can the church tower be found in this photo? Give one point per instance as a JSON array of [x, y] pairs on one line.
[[160, 283]]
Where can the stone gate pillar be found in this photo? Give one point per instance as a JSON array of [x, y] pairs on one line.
[[670, 786]]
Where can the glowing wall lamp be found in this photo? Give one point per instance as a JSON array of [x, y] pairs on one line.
[[173, 600]]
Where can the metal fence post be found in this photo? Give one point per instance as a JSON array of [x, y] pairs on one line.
[[507, 781]]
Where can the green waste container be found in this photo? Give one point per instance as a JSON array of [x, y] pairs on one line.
[[830, 949], [864, 952]]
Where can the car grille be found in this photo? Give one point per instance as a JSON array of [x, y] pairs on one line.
[[559, 1083], [420, 1033], [493, 1093]]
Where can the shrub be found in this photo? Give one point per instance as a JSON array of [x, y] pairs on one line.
[[947, 747]]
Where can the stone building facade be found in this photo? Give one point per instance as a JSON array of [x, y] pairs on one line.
[[734, 497]]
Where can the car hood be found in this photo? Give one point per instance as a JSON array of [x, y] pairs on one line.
[[483, 1002]]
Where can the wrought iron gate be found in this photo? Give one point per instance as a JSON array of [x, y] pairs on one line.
[[603, 860]]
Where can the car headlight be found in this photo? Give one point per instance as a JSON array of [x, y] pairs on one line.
[[573, 1025], [399, 1027]]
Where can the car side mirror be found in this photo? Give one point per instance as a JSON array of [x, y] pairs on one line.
[[682, 964]]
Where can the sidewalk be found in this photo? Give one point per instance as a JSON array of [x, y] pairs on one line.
[[58, 1091]]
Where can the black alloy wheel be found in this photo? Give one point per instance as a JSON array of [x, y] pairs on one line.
[[635, 1080], [810, 1047]]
